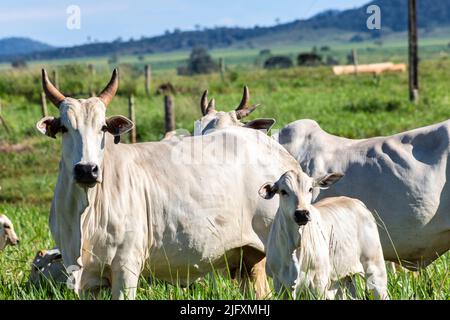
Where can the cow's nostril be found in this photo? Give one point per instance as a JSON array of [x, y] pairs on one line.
[[95, 169]]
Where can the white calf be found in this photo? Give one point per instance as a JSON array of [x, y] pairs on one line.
[[322, 245], [7, 234]]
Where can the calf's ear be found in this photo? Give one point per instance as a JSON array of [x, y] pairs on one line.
[[260, 124], [268, 191], [49, 126], [326, 181], [118, 125]]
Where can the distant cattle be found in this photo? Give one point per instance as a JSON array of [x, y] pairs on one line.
[[320, 247], [7, 233], [172, 209]]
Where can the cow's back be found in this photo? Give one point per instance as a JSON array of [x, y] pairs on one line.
[[401, 179]]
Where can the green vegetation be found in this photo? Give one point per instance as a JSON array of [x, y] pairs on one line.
[[352, 106]]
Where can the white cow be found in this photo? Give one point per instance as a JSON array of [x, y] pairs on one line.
[[173, 209], [7, 233], [319, 247], [213, 119]]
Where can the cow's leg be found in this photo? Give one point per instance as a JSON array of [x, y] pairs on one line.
[[124, 282], [254, 273]]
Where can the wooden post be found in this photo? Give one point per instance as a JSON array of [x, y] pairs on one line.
[[43, 105], [2, 120], [169, 113], [91, 80], [132, 114], [355, 60], [413, 52], [55, 79], [222, 68], [148, 79]]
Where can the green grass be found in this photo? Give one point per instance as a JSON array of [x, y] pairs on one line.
[[352, 106]]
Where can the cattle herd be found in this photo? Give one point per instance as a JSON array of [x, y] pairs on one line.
[[232, 197]]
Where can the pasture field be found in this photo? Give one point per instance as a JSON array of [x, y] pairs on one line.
[[353, 106]]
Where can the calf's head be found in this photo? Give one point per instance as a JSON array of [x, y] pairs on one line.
[[7, 234], [83, 125], [295, 189], [213, 119]]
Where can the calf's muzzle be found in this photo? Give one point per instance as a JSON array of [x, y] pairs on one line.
[[301, 217]]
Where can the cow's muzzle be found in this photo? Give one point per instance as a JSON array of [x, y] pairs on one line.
[[301, 217], [86, 174]]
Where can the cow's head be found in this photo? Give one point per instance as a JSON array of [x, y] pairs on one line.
[[7, 234], [295, 189], [213, 119], [83, 125]]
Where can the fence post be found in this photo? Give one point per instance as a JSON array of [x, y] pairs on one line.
[[148, 79], [222, 68], [43, 105], [55, 79], [169, 113], [2, 120], [91, 80], [132, 115], [355, 60]]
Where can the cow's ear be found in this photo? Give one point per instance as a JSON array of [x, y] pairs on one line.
[[118, 125], [326, 181], [260, 124], [49, 126], [268, 190]]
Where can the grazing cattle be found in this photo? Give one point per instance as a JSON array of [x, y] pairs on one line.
[[402, 179], [7, 234], [48, 266], [172, 209], [213, 119], [320, 246]]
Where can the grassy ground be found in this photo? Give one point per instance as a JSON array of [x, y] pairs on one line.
[[352, 106]]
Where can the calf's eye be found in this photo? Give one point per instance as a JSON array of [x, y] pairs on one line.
[[310, 190], [283, 193]]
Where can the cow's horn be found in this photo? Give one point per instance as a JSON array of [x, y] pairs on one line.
[[50, 90], [244, 109], [245, 100], [211, 105], [110, 90], [204, 103]]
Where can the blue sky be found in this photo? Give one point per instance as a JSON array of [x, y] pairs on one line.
[[103, 20]]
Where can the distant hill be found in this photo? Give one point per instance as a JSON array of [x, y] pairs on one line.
[[19, 46], [332, 24]]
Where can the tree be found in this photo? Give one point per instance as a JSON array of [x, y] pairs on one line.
[[200, 62]]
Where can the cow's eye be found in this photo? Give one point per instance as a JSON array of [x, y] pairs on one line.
[[310, 190], [6, 226], [283, 193]]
